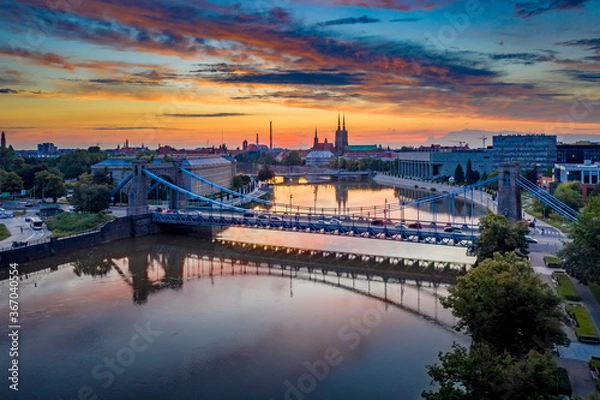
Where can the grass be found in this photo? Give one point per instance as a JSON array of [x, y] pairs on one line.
[[4, 233], [552, 262], [585, 330], [566, 289], [65, 224], [553, 219]]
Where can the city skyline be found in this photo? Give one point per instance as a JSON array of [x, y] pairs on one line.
[[211, 72]]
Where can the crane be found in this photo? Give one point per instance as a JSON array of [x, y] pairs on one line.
[[461, 143], [483, 139]]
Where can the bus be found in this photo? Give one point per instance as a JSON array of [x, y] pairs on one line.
[[36, 223]]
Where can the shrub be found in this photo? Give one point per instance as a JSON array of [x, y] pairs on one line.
[[552, 262], [566, 289]]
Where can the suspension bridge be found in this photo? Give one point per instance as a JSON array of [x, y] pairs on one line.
[[223, 207]]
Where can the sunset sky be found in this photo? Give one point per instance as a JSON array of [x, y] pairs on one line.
[[195, 72]]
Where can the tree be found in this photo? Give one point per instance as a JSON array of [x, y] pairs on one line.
[[102, 177], [266, 174], [12, 183], [90, 197], [581, 255], [293, 158], [496, 234], [49, 185], [531, 175], [470, 174], [481, 374], [459, 175], [503, 304], [570, 194]]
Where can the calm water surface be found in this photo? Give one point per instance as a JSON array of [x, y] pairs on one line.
[[175, 318]]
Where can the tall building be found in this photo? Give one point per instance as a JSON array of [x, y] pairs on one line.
[[47, 149], [528, 150], [3, 141], [325, 146], [271, 135], [578, 153], [341, 137]]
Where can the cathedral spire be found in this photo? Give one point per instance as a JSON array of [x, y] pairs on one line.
[[344, 127], [338, 120]]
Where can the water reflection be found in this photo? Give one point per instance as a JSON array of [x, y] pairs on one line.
[[368, 199], [234, 326]]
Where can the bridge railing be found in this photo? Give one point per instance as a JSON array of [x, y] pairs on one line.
[[549, 200]]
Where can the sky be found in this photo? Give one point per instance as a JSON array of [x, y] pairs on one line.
[[197, 72]]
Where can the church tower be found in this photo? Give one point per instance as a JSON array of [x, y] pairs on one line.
[[315, 140], [341, 137]]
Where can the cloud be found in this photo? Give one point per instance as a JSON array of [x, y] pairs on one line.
[[213, 115], [350, 21], [402, 5], [528, 9], [293, 78], [21, 92], [405, 20], [584, 76], [9, 91], [125, 128], [588, 44], [522, 58]]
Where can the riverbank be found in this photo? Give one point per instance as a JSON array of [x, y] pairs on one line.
[[480, 197]]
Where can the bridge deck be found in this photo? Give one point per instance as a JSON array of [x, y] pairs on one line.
[[343, 244]]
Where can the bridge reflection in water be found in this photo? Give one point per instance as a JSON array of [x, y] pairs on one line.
[[167, 265]]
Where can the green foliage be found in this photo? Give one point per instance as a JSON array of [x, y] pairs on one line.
[[4, 233], [459, 175], [65, 224], [12, 183], [90, 197], [49, 185], [266, 174], [496, 234], [581, 255], [552, 262], [566, 289], [471, 176], [293, 158], [482, 374], [585, 330], [240, 181], [570, 194], [74, 164], [102, 177], [503, 304]]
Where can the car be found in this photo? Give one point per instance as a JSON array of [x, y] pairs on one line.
[[27, 219], [107, 211], [159, 209], [457, 232], [263, 216], [529, 239], [333, 221], [249, 214], [29, 204], [16, 244], [451, 229], [400, 226], [275, 218], [415, 225], [378, 222]]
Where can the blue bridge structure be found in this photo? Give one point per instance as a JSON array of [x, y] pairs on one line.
[[224, 207]]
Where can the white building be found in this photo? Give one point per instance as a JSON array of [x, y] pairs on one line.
[[318, 158]]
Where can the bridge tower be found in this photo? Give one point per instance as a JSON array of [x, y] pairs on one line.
[[137, 198], [138, 190], [509, 193]]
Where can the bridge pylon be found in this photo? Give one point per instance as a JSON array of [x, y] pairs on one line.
[[137, 198], [509, 192]]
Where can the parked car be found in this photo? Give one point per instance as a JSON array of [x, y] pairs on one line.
[[529, 239], [415, 225]]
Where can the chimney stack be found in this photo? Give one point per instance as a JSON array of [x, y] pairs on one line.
[[271, 135]]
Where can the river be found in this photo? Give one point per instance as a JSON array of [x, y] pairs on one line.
[[175, 317]]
